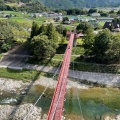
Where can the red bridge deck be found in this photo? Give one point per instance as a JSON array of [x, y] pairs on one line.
[[56, 108]]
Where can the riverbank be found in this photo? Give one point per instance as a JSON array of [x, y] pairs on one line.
[[10, 85], [28, 72]]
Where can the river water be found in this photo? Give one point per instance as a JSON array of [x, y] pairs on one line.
[[75, 107]]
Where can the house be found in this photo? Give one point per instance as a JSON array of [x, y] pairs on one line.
[[94, 23], [59, 18], [84, 19], [8, 15], [53, 14], [35, 15], [24, 13], [95, 14], [107, 19], [116, 30], [113, 26], [60, 14], [45, 14], [67, 22]]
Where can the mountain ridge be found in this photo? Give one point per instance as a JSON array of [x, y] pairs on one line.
[[67, 4]]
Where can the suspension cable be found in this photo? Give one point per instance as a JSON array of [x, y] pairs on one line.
[[42, 92], [77, 94]]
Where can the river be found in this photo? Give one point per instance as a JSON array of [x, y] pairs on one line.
[[90, 104]]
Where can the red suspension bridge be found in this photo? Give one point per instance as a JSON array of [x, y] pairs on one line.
[[56, 107]]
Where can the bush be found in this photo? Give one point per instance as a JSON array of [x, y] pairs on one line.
[[5, 47]]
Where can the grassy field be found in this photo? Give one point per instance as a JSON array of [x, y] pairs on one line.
[[25, 18], [24, 75], [18, 14], [3, 18], [101, 23], [68, 27], [79, 41], [21, 20]]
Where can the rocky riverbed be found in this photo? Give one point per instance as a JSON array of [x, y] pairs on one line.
[[111, 118], [10, 85], [25, 111]]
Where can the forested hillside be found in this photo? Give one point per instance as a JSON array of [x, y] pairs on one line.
[[23, 5], [79, 3], [67, 4]]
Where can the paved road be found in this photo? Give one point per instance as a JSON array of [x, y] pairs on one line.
[[19, 62]]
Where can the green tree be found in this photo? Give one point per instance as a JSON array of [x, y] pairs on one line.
[[65, 19], [104, 14], [88, 41], [113, 53], [53, 35], [116, 20], [92, 10], [9, 32], [34, 7], [111, 12], [84, 27], [42, 47], [101, 45], [61, 30], [34, 29], [42, 29], [50, 31], [118, 12], [45, 42]]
